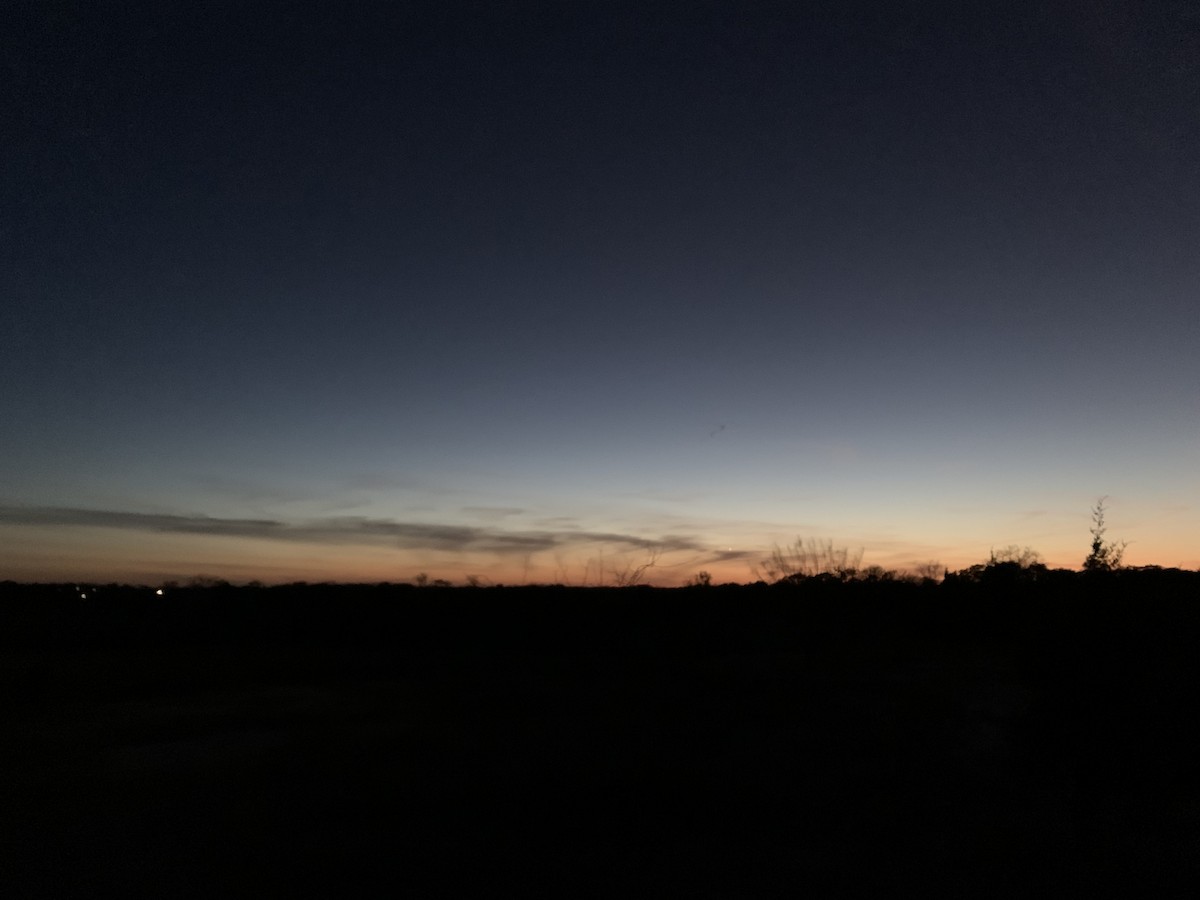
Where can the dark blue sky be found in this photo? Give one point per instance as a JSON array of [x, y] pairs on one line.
[[509, 269]]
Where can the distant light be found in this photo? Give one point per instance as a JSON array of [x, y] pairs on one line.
[[83, 596], [159, 592]]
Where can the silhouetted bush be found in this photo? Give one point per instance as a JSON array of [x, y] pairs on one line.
[[1105, 556]]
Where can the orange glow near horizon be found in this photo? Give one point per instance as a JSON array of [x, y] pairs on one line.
[[107, 555]]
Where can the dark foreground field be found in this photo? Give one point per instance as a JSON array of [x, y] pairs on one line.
[[723, 742]]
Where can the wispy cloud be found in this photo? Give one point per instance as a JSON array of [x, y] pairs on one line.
[[342, 530], [98, 518], [559, 523], [491, 512], [733, 555]]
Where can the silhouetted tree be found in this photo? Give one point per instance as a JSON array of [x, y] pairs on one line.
[[1008, 564], [877, 573], [207, 581], [1022, 557], [931, 571], [1105, 557]]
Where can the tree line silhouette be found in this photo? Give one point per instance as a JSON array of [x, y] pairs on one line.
[[1005, 726]]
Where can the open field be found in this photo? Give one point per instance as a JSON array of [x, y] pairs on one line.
[[714, 742]]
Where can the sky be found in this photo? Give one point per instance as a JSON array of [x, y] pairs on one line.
[[546, 292]]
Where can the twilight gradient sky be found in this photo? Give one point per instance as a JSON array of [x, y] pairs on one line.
[[521, 290]]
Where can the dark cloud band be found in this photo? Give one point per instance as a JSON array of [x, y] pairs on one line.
[[339, 530]]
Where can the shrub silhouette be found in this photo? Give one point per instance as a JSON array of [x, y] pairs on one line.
[[1009, 564], [1105, 557], [809, 559]]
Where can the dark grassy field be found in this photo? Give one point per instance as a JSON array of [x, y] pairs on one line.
[[966, 740]]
